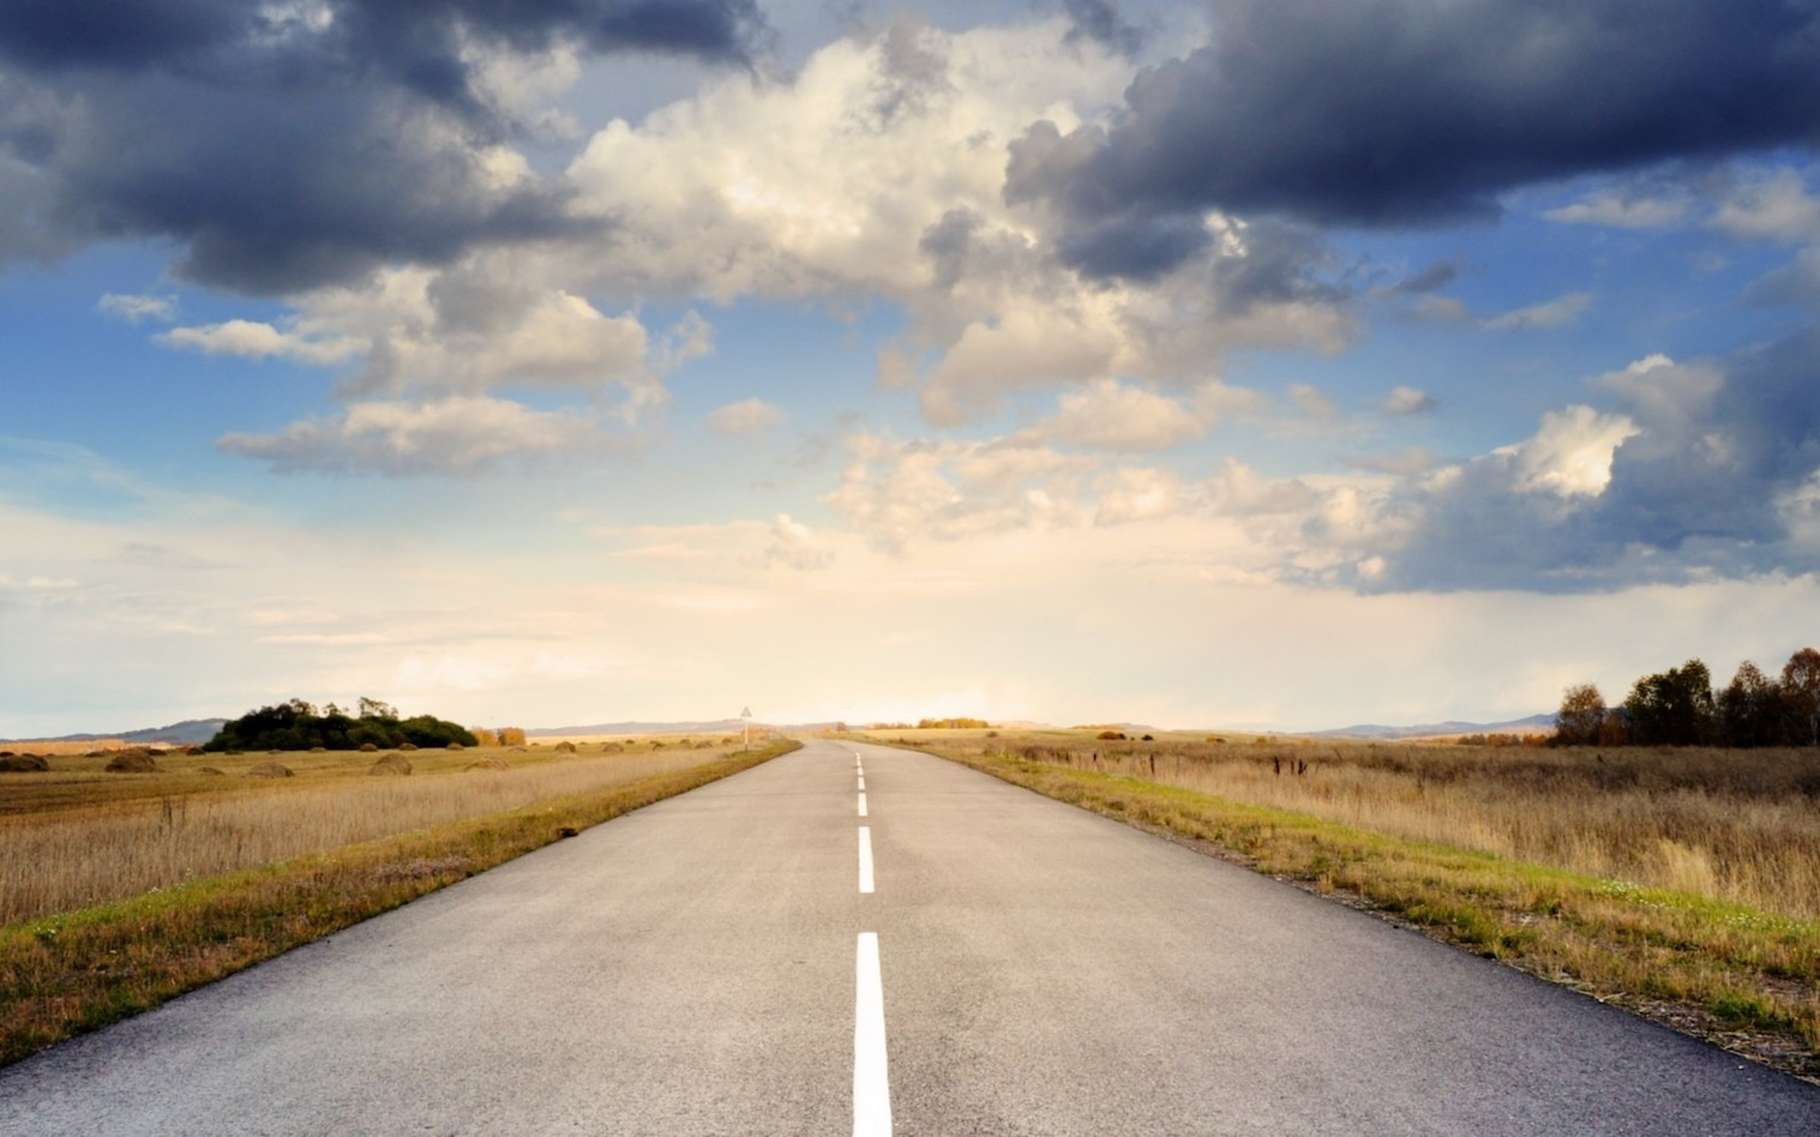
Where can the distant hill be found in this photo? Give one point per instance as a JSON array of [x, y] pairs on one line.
[[1531, 725], [641, 728], [189, 732]]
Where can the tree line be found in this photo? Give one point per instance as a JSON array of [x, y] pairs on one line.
[[299, 725], [1680, 707]]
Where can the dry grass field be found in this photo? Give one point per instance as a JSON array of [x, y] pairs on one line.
[[121, 890], [1684, 883]]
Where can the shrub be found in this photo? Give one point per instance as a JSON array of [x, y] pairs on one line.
[[298, 725], [483, 736], [511, 736]]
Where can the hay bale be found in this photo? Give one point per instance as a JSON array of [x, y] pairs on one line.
[[369, 747], [393, 764], [319, 750], [490, 764], [407, 746], [270, 770], [132, 762], [612, 748], [22, 764], [565, 748], [213, 771], [193, 751], [456, 746]]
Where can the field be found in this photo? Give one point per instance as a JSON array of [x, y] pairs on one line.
[[120, 890], [1682, 883]]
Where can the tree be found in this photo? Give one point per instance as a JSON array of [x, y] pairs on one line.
[[1581, 716], [1801, 696], [374, 709], [1673, 708], [1750, 709]]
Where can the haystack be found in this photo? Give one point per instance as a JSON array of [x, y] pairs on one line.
[[369, 747], [22, 764], [565, 748], [132, 762], [490, 764], [391, 764], [270, 770]]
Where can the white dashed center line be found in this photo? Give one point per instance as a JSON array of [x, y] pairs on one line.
[[871, 1079], [862, 803], [865, 858]]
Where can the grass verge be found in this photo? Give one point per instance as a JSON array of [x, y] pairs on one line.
[[1736, 976], [78, 971]]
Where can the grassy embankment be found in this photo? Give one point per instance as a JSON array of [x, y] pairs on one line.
[[121, 891], [1683, 884]]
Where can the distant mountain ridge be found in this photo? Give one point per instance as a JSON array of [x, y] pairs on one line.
[[1529, 724], [189, 732], [708, 726]]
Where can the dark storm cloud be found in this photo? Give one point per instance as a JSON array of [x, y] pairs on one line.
[[1394, 112], [1103, 23], [284, 152]]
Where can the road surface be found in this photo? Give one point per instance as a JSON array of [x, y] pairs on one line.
[[758, 957]]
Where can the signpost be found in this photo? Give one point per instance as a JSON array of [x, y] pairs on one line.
[[746, 721]]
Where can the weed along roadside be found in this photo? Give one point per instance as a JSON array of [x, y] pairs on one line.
[[1737, 975], [75, 971]]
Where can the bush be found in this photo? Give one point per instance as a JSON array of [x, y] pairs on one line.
[[298, 725], [511, 736]]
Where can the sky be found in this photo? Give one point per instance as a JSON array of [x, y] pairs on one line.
[[1251, 363]]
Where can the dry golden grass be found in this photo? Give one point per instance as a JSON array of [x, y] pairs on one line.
[[1733, 825], [76, 836], [1679, 883], [77, 970]]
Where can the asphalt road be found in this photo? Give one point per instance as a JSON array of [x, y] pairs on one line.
[[756, 957]]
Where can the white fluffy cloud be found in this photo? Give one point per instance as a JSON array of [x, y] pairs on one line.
[[136, 308], [257, 340], [746, 417], [1771, 206], [1623, 211], [1108, 415], [880, 169], [460, 434], [1409, 401], [1570, 455]]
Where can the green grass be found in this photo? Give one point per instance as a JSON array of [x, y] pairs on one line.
[[1745, 978], [77, 971]]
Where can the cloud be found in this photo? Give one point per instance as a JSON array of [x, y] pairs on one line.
[[1775, 206], [256, 340], [1308, 106], [357, 132], [1557, 313], [794, 545], [1311, 401], [1409, 401], [841, 183], [1103, 23], [136, 309], [1622, 211], [748, 416], [1108, 415], [1570, 455], [459, 435]]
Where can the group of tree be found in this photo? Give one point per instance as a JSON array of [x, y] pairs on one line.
[[952, 724], [298, 725], [1679, 707]]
